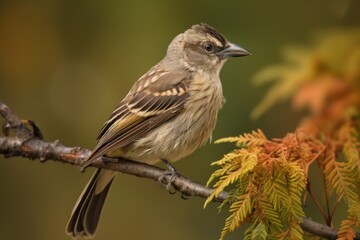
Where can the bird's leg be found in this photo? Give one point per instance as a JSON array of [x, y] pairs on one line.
[[173, 175], [170, 167]]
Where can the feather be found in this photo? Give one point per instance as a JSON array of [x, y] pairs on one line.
[[145, 107]]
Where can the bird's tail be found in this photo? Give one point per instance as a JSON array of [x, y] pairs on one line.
[[86, 213]]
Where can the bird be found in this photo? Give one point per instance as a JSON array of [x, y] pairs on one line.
[[168, 113]]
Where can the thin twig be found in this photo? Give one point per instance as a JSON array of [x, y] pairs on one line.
[[334, 208], [36, 148], [318, 205], [326, 193]]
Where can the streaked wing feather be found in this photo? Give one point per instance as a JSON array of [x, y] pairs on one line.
[[142, 110], [120, 112], [143, 127], [156, 101]]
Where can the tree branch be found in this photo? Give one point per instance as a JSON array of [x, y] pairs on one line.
[[29, 144]]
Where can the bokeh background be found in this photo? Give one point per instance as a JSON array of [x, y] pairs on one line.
[[66, 64]]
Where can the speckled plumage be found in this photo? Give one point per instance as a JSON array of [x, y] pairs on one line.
[[168, 113]]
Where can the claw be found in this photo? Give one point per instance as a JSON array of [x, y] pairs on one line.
[[172, 179], [185, 196]]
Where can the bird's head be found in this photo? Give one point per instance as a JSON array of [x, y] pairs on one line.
[[202, 47]]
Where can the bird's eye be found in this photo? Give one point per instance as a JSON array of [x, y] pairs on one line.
[[209, 47]]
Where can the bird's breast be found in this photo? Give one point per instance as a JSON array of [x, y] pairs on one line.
[[187, 131]]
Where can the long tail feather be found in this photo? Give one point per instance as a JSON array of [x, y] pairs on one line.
[[85, 216]]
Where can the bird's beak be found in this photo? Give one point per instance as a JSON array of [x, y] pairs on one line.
[[233, 50]]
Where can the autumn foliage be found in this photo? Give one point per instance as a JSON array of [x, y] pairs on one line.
[[268, 178]]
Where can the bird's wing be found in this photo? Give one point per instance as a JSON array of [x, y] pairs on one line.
[[155, 98]]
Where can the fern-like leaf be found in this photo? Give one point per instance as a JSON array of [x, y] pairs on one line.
[[239, 210], [255, 138], [259, 232], [346, 232], [337, 177], [248, 163]]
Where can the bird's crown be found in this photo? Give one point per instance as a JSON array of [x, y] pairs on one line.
[[210, 31]]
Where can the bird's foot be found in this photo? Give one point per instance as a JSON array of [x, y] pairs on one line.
[[172, 173]]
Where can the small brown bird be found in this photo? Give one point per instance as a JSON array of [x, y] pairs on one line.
[[168, 113]]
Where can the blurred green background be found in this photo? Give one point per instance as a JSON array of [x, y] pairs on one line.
[[66, 64]]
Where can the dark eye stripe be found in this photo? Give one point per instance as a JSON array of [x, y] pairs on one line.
[[199, 47]]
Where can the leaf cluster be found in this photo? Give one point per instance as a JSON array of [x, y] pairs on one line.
[[266, 178]]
